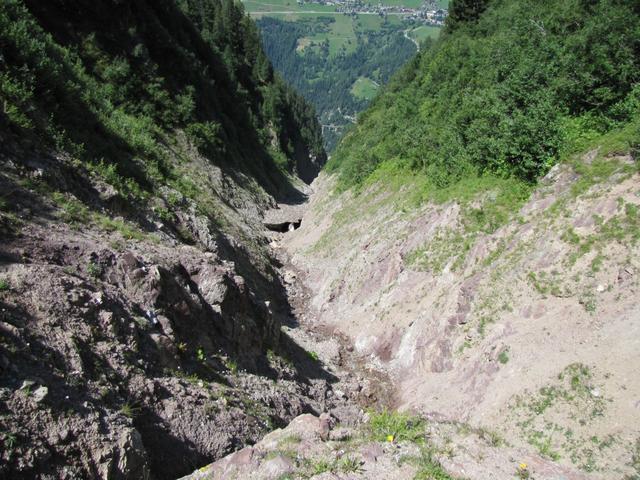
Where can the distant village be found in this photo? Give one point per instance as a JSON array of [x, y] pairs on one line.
[[428, 13]]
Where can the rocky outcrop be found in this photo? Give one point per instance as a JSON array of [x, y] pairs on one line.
[[137, 347], [285, 218], [135, 341], [316, 448], [140, 305]]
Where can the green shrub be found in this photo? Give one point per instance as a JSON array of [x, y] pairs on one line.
[[322, 466], [127, 230], [94, 269], [10, 440], [349, 464], [207, 138], [130, 410], [511, 92], [73, 211], [504, 356]]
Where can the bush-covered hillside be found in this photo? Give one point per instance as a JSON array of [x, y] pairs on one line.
[[111, 81], [511, 87], [327, 79]]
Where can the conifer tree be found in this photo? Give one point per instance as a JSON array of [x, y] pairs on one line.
[[464, 11]]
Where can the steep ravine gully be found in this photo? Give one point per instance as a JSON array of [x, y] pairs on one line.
[[176, 299], [506, 353], [127, 355]]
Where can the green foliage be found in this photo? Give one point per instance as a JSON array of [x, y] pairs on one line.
[[577, 398], [544, 283], [510, 91], [129, 410], [635, 457], [349, 464], [388, 425], [200, 355], [346, 464], [622, 228], [329, 78], [94, 269], [127, 230], [490, 436], [232, 365], [5, 286], [446, 245], [206, 137], [10, 440], [464, 11], [430, 469], [72, 211], [503, 358], [322, 466], [113, 98], [16, 95], [486, 202]]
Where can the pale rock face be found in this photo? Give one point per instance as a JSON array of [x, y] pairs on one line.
[[477, 340], [40, 394], [276, 468]]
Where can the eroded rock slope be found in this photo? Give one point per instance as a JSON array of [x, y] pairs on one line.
[[530, 330], [137, 346]]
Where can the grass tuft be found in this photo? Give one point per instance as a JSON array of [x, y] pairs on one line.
[[398, 427]]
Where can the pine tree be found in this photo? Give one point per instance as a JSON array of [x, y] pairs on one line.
[[464, 11]]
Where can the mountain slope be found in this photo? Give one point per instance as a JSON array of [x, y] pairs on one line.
[[142, 143], [479, 235], [528, 331], [112, 93], [509, 93]]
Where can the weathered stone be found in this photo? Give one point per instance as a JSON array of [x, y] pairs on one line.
[[131, 456], [243, 457], [324, 426], [289, 277], [372, 452], [276, 468], [40, 394], [27, 384], [340, 434]]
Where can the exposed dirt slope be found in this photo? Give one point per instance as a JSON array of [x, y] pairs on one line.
[[531, 331]]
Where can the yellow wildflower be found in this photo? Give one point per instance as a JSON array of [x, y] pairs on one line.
[[389, 438], [523, 466]]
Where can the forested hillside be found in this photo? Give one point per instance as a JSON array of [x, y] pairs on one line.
[[509, 89], [111, 95], [329, 79]]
